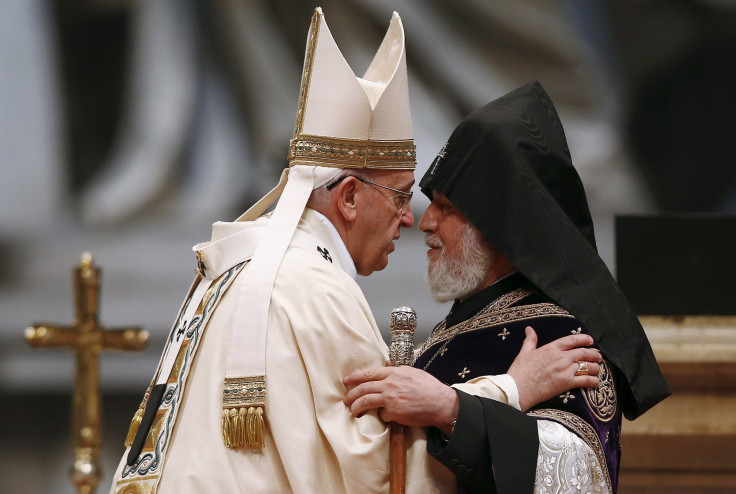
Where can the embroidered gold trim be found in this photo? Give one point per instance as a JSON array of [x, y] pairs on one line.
[[244, 391], [307, 72], [442, 333], [602, 400], [353, 153], [156, 428], [137, 479], [136, 487], [179, 361], [145, 471], [244, 399], [513, 314], [138, 416], [583, 429], [496, 313]]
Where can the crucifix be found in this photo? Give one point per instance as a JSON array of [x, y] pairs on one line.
[[88, 338]]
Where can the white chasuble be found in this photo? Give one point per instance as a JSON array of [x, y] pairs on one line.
[[320, 329]]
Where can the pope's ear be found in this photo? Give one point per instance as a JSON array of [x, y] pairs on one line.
[[346, 197]]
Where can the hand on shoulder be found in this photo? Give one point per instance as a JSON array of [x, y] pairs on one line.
[[550, 370]]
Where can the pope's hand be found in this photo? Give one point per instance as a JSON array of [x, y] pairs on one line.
[[402, 394]]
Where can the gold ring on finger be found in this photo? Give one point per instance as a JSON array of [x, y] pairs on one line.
[[582, 369]]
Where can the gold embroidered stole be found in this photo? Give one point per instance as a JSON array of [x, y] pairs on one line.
[[143, 475], [499, 311]]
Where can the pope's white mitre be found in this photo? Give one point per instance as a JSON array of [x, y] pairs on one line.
[[353, 122]]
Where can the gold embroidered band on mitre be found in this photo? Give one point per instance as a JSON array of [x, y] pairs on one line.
[[244, 400], [353, 153]]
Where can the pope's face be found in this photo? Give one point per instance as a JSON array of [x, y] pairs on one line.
[[379, 219]]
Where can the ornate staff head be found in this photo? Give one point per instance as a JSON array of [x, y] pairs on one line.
[[403, 322]]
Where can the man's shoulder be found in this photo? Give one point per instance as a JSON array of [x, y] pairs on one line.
[[312, 273], [310, 291], [549, 319], [309, 261]]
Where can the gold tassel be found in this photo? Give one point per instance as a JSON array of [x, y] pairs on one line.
[[240, 428], [260, 429], [133, 430], [250, 429], [226, 430], [243, 427]]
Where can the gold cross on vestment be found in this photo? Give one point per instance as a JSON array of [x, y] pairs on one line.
[[567, 396], [88, 338]]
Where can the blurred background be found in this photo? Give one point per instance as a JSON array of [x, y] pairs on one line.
[[128, 127]]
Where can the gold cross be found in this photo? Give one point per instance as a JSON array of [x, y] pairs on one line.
[[88, 338], [577, 331], [463, 372], [503, 334], [567, 396]]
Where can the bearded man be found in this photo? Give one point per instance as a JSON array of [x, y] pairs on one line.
[[511, 240]]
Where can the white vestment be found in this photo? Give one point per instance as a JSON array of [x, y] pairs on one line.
[[320, 329]]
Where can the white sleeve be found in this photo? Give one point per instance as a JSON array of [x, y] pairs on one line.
[[565, 463], [499, 388]]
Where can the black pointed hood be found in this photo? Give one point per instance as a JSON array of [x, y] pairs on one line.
[[508, 169]]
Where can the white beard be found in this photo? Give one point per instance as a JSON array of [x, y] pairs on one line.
[[451, 278]]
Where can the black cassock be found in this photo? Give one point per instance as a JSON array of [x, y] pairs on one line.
[[494, 446]]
